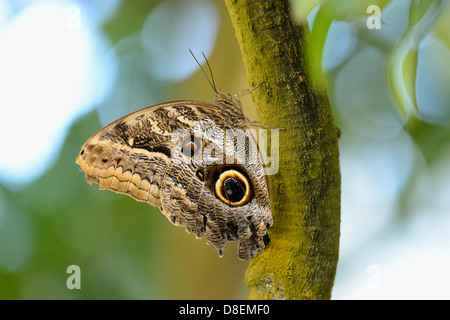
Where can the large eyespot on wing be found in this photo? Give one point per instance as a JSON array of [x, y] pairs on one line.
[[233, 188], [244, 215], [191, 145]]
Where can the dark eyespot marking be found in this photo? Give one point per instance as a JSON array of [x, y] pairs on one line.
[[233, 188], [200, 174], [191, 146], [82, 152], [105, 159]]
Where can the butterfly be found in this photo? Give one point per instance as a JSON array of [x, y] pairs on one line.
[[196, 161]]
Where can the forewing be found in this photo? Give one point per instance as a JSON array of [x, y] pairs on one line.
[[132, 154]]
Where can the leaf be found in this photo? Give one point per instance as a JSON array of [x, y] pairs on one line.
[[419, 8], [399, 72], [319, 33], [409, 76], [302, 9], [401, 63], [349, 10]]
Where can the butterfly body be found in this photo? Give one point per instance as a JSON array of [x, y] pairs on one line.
[[178, 156]]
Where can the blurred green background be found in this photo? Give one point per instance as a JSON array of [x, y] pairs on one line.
[[67, 68]]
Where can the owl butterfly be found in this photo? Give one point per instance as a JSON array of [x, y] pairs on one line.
[[194, 160]]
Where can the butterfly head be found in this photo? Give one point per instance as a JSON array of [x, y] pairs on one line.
[[222, 96], [228, 103]]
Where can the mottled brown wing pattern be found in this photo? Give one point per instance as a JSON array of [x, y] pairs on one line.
[[140, 155]]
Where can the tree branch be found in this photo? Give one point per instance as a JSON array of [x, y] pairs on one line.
[[300, 262]]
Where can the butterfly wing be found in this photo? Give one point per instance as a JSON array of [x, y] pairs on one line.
[[172, 156]]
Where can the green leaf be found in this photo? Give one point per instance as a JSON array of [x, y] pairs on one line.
[[303, 8], [349, 10], [419, 8], [401, 63], [409, 76], [401, 68]]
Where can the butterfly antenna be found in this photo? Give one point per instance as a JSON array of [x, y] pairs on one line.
[[210, 72], [212, 84]]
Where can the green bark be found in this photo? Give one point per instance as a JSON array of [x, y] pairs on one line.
[[301, 260]]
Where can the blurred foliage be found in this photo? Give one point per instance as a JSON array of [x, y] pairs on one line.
[[125, 249], [128, 250]]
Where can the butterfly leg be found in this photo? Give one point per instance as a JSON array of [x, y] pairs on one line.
[[244, 92], [256, 123], [260, 125]]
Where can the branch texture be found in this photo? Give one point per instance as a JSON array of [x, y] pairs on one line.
[[301, 260]]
